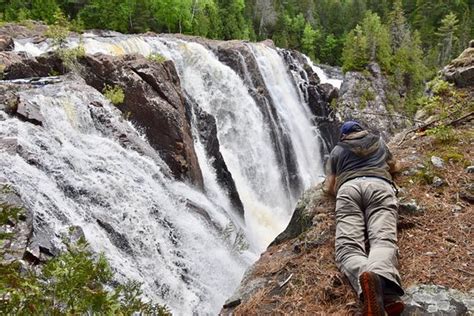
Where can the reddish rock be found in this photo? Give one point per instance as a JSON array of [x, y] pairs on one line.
[[154, 102]]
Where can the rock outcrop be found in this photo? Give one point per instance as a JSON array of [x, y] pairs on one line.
[[363, 97], [461, 70], [6, 43], [153, 101]]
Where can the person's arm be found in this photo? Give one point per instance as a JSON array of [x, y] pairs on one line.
[[393, 164], [330, 185], [330, 181]]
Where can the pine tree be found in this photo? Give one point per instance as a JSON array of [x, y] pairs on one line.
[[368, 42], [398, 25], [447, 37]]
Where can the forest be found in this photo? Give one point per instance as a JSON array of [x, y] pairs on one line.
[[410, 39]]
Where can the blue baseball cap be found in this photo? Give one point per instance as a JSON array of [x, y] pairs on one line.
[[349, 127]]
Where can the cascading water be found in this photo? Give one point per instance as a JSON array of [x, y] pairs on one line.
[[76, 175], [174, 246]]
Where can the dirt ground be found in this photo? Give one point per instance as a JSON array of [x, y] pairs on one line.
[[435, 243]]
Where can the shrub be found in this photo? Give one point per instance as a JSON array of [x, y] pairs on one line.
[[442, 134], [115, 94], [157, 58], [59, 31], [439, 87], [73, 283]]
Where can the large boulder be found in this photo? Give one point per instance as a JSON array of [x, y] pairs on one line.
[[461, 70], [19, 65], [154, 102]]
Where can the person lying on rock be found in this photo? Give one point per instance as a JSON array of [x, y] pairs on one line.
[[359, 173]]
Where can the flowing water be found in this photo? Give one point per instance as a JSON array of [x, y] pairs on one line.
[[152, 231]]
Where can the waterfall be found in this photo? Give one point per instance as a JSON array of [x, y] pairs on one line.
[[76, 175], [185, 260]]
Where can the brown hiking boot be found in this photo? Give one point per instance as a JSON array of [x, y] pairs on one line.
[[393, 305], [372, 293]]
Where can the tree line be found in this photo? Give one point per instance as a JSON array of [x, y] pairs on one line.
[[319, 28]]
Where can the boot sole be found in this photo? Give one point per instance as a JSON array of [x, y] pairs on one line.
[[369, 291]]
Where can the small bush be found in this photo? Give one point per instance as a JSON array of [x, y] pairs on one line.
[[442, 134], [69, 56], [59, 31], [74, 283], [157, 58], [439, 87], [115, 94]]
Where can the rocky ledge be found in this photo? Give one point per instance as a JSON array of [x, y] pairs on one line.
[[297, 273]]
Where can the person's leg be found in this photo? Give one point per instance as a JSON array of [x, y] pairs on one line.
[[351, 257], [381, 216]]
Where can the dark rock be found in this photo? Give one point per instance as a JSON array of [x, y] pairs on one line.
[[19, 66], [33, 29], [206, 125], [6, 43], [437, 182], [470, 169], [30, 112], [21, 229], [116, 238], [467, 192], [154, 102], [410, 207]]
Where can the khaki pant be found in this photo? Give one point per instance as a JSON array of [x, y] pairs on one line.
[[367, 208]]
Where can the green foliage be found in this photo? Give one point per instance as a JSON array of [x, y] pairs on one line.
[[157, 58], [368, 42], [308, 40], [74, 283], [447, 37], [59, 31], [439, 86], [115, 94], [69, 56], [443, 134]]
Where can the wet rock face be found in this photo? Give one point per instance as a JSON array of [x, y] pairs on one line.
[[207, 128], [154, 102], [240, 58], [318, 97], [363, 98]]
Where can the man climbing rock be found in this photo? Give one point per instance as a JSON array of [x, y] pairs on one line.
[[359, 173]]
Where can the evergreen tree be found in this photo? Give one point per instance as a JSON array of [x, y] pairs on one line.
[[447, 37], [399, 30], [368, 42], [234, 24]]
